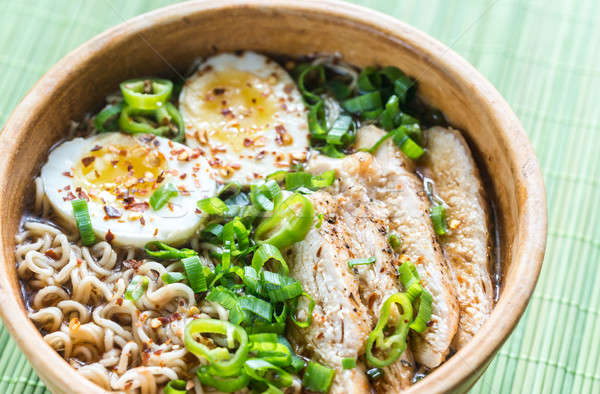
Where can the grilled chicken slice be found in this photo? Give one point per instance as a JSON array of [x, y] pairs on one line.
[[377, 281], [341, 323], [389, 178], [452, 168]]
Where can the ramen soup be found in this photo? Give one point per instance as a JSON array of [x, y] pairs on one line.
[[266, 225]]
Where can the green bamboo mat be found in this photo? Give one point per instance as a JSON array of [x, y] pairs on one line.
[[541, 55]]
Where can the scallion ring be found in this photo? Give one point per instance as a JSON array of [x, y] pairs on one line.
[[83, 221]]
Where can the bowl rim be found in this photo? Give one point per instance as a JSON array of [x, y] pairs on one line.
[[532, 227]]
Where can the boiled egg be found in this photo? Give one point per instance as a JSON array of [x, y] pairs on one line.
[[247, 114], [117, 174]]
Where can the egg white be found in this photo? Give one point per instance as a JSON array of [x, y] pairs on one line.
[[138, 224], [247, 114]]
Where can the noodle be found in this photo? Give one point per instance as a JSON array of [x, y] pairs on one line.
[[75, 297]]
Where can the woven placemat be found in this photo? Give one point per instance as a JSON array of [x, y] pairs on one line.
[[542, 55]]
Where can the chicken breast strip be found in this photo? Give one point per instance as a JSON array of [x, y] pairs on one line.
[[390, 179], [365, 221], [450, 165], [341, 323]]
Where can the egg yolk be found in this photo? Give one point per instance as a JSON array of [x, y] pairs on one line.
[[118, 168], [234, 105]]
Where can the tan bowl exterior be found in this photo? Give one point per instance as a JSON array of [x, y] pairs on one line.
[[178, 34]]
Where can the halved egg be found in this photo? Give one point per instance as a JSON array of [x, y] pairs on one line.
[[246, 113], [117, 174]]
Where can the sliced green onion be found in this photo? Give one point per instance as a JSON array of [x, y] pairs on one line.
[[330, 151], [277, 176], [395, 242], [265, 253], [311, 305], [251, 279], [195, 273], [260, 327], [227, 298], [272, 351], [264, 371], [393, 345], [83, 221], [162, 251], [368, 79], [236, 231], [348, 363], [108, 119], [326, 179], [309, 96], [228, 384], [212, 206], [175, 387], [173, 277], [341, 132], [162, 195], [256, 306], [406, 144], [319, 220], [136, 95], [296, 180], [354, 262], [424, 312], [338, 89], [264, 337], [136, 288], [377, 144], [363, 103], [279, 287], [290, 222], [317, 124], [387, 117], [212, 232], [266, 195], [438, 217], [317, 377], [404, 87], [297, 363], [374, 373], [220, 361]]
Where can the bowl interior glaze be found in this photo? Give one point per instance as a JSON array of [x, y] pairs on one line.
[[166, 41]]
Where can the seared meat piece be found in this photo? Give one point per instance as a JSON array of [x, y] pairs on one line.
[[450, 165], [388, 177], [341, 323]]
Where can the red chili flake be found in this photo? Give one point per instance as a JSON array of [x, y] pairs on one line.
[[129, 167], [114, 163], [81, 194], [132, 263], [68, 173], [248, 142], [161, 177], [170, 143], [88, 160], [182, 176], [198, 211], [261, 154], [69, 197], [96, 148], [119, 301], [429, 323], [109, 236], [67, 188], [236, 166], [218, 91], [52, 254], [226, 112], [155, 232], [288, 88], [183, 191], [142, 221], [128, 200], [112, 212], [122, 152], [138, 206]]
